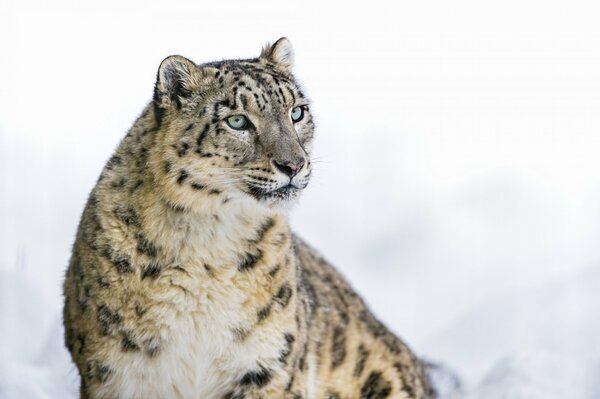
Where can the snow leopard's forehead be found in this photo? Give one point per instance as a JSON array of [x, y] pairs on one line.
[[255, 83]]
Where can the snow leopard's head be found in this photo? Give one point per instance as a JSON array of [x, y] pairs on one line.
[[235, 127]]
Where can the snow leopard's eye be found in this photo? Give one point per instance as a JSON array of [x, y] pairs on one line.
[[237, 122], [297, 114]]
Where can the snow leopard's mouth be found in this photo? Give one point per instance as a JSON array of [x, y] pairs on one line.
[[283, 193]]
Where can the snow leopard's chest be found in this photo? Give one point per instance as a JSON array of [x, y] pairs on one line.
[[210, 340], [225, 319], [221, 311]]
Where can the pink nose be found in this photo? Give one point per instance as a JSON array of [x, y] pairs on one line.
[[290, 168], [295, 166]]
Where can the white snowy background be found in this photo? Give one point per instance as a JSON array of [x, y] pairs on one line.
[[458, 182]]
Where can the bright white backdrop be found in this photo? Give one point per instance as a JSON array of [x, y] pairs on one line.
[[458, 147]]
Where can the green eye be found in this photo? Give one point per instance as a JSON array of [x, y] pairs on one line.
[[237, 122], [297, 114]]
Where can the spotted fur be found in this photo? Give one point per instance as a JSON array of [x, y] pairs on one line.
[[185, 280]]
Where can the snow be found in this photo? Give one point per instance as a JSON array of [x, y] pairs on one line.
[[537, 376], [533, 344], [36, 364], [456, 181]]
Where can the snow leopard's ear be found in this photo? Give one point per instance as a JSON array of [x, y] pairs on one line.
[[281, 54], [175, 81]]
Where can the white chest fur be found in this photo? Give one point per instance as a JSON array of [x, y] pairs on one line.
[[199, 309]]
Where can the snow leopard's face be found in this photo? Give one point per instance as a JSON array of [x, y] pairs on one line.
[[236, 127]]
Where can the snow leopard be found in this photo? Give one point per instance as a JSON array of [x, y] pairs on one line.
[[185, 280]]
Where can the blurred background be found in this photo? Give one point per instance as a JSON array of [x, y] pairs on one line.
[[456, 183]]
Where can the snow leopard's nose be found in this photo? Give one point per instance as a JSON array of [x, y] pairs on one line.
[[290, 168]]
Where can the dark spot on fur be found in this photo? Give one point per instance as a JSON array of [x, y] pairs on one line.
[[127, 343], [243, 99], [202, 135], [174, 207], [290, 383], [408, 378], [152, 346], [234, 395], [82, 301], [139, 310], [152, 352], [273, 272], [264, 228], [280, 239], [338, 347], [183, 149], [283, 295], [250, 260], [345, 319], [379, 331], [159, 112], [98, 371], [375, 387], [151, 270], [107, 319], [181, 270], [81, 341], [240, 333], [183, 174], [258, 378], [361, 359], [197, 186], [144, 246], [149, 130], [137, 185], [285, 352], [127, 215], [209, 270], [302, 359], [120, 183], [102, 282], [87, 291], [119, 260], [264, 312], [114, 161], [103, 372], [168, 166]]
